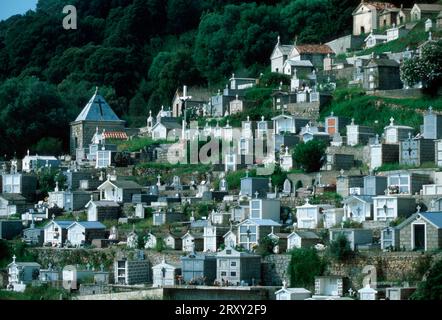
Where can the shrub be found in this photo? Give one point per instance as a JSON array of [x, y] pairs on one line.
[[305, 265], [161, 245], [266, 245], [310, 155], [340, 248], [431, 287]]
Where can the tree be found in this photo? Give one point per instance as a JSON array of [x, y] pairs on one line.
[[266, 245], [278, 177], [305, 265], [160, 245], [426, 68], [340, 248], [310, 156], [431, 287], [30, 110], [48, 146]]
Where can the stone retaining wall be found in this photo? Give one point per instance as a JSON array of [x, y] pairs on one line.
[[390, 266], [152, 294]]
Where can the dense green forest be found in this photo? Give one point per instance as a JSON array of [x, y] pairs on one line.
[[139, 52]]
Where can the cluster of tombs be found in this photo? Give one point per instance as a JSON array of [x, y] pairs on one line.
[[228, 268]]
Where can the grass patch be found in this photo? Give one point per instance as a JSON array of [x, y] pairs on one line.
[[397, 166], [413, 39], [138, 144], [43, 292], [376, 111]]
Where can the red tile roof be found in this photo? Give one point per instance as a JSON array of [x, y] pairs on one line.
[[381, 5], [115, 135], [314, 48]]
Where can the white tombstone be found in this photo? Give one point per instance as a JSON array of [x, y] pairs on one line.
[[287, 188], [367, 293], [428, 25], [176, 182], [223, 185], [113, 233], [132, 239], [337, 140], [286, 160]]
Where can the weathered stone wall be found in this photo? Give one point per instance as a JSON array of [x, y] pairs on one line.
[[398, 94], [390, 267], [151, 294], [95, 257]]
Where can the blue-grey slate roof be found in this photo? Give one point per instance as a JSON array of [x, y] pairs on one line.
[[92, 225], [97, 109], [263, 222], [434, 217], [63, 224]]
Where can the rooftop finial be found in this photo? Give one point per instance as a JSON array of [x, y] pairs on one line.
[[279, 40], [96, 90]]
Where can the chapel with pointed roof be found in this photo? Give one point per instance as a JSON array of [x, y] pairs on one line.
[[96, 114]]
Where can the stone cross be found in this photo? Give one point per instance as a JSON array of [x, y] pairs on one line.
[[350, 292], [352, 121], [256, 194], [284, 284], [391, 121], [159, 181], [342, 172], [319, 178], [433, 205], [287, 151], [430, 110], [418, 208]]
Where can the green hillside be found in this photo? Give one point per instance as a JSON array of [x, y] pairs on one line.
[[376, 111], [138, 52]]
